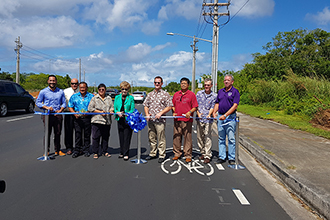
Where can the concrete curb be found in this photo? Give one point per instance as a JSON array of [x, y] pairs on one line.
[[314, 197]]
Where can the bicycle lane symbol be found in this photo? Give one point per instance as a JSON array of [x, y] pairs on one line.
[[173, 167]]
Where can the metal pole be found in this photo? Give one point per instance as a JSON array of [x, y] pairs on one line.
[[236, 166], [79, 70], [194, 66], [139, 160], [215, 48], [45, 156], [18, 47]]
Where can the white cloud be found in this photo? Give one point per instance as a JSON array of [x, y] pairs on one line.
[[189, 9], [7, 7], [40, 32], [321, 18], [120, 13], [24, 8], [253, 9]]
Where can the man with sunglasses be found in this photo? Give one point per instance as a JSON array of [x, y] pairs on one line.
[[68, 119], [184, 104], [206, 100], [157, 104]]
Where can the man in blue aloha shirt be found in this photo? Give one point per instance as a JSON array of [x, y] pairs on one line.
[[78, 103]]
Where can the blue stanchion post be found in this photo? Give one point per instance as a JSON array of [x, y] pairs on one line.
[[236, 166]]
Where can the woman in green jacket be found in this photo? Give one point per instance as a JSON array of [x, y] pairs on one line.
[[124, 103]]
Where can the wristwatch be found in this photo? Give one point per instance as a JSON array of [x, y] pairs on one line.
[[225, 116]]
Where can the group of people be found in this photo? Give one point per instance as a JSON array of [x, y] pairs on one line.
[[207, 104]]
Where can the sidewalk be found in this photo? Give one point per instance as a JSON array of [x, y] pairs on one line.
[[301, 160]]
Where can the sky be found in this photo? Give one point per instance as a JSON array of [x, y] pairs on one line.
[[126, 40]]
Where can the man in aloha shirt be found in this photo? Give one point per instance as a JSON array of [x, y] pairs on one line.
[[82, 123], [206, 100], [157, 103]]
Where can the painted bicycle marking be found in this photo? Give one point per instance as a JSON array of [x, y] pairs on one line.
[[173, 167]]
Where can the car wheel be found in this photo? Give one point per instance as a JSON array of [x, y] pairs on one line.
[[30, 108], [3, 109]]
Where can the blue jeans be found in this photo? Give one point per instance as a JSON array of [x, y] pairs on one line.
[[227, 130]]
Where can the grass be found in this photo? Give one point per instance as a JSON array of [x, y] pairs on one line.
[[293, 121]]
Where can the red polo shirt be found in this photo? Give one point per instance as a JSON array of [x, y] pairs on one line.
[[183, 103]]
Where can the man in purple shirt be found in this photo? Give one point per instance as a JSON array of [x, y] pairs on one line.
[[53, 100], [225, 106]]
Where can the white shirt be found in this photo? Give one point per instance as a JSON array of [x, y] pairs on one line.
[[68, 92]]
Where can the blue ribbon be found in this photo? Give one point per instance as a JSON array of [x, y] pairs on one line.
[[136, 121]]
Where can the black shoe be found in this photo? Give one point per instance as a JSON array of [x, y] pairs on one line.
[[161, 160], [220, 160], [231, 162], [150, 158], [87, 154], [75, 155]]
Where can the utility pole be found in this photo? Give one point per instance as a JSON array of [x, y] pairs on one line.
[[79, 69], [19, 45], [84, 76], [215, 38], [195, 49]]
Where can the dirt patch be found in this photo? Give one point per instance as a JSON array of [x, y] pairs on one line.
[[322, 119], [34, 94]]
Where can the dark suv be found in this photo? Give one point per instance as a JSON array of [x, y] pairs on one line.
[[13, 96], [112, 93]]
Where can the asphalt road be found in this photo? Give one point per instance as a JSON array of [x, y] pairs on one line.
[[111, 188]]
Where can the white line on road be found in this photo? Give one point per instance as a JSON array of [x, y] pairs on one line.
[[219, 166], [17, 119], [241, 197]]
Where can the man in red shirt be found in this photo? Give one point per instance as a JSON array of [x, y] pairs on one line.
[[184, 104]]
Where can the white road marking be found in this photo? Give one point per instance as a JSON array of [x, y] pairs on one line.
[[195, 131], [241, 197], [219, 166], [17, 119]]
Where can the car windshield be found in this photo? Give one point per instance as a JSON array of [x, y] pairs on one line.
[[138, 93]]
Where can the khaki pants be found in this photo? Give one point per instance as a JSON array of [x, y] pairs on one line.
[[156, 131], [204, 141], [182, 128]]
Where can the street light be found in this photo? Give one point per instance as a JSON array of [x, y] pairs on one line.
[[194, 55]]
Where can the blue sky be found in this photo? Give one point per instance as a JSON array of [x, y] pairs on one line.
[[126, 39]]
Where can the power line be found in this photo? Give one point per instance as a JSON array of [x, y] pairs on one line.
[[199, 21], [235, 13], [45, 55]]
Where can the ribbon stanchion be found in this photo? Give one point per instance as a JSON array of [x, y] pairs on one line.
[[46, 141], [236, 166], [138, 160], [137, 122]]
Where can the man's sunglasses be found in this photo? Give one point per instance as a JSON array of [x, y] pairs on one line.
[[124, 89], [157, 83]]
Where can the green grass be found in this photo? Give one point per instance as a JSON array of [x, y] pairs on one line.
[[293, 121]]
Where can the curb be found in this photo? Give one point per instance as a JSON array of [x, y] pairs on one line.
[[314, 197]]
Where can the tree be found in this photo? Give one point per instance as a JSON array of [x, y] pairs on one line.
[[306, 53], [6, 76]]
